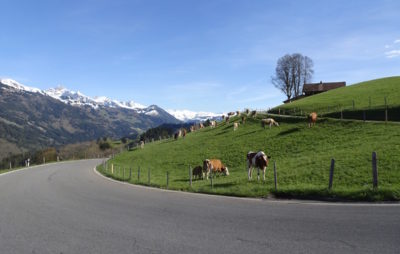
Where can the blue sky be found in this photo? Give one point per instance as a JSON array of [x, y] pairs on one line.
[[215, 55]]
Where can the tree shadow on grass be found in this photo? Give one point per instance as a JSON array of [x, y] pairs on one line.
[[248, 133], [221, 133], [290, 131]]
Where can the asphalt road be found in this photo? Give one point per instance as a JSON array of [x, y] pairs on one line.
[[68, 208]]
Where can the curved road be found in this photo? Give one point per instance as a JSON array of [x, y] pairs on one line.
[[68, 208]]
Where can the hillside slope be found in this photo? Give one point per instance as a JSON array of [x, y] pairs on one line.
[[302, 156], [367, 96], [32, 120]]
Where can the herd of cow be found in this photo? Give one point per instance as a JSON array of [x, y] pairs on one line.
[[258, 160]]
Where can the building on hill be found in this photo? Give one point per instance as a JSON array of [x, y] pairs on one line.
[[316, 88]]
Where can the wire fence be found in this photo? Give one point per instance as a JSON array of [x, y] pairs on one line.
[[357, 110]]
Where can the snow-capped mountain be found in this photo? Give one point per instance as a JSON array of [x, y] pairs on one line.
[[75, 98], [31, 118], [191, 116], [17, 86]]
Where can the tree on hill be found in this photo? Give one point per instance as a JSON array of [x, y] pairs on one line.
[[291, 72]]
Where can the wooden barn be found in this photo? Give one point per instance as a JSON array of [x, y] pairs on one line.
[[315, 88]]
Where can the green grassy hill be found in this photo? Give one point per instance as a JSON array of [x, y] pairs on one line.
[[302, 157], [367, 96]]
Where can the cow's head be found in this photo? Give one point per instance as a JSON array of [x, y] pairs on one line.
[[225, 170], [262, 160], [206, 165]]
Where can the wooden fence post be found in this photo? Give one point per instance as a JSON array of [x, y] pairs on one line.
[[190, 175], [374, 171], [112, 168], [386, 114], [10, 165], [275, 180], [211, 180], [331, 174], [167, 179]]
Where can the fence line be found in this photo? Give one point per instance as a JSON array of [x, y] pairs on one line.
[[212, 178]]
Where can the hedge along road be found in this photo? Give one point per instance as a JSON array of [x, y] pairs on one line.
[[69, 208]]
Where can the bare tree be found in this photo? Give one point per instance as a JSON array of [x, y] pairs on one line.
[[291, 72]]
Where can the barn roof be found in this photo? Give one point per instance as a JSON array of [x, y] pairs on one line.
[[322, 86]]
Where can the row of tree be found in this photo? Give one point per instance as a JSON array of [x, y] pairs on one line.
[[291, 72]]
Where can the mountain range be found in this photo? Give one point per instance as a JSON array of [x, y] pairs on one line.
[[31, 118]]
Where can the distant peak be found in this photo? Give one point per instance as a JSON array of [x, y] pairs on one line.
[[18, 86]]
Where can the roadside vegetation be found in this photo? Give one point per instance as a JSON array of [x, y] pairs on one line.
[[302, 156], [101, 148]]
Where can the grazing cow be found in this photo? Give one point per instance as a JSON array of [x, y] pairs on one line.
[[258, 160], [177, 134], [235, 126], [214, 166], [142, 144], [247, 111], [213, 124], [312, 119], [201, 126], [269, 121], [231, 113], [243, 119], [184, 132], [253, 113], [198, 173], [227, 119]]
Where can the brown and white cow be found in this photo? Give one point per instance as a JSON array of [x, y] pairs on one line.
[[184, 132], [258, 160], [312, 119], [214, 166], [213, 124], [268, 121]]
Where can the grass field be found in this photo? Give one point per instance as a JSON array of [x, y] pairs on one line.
[[302, 156], [367, 96]]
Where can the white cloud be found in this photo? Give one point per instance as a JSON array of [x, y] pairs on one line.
[[392, 53], [396, 41]]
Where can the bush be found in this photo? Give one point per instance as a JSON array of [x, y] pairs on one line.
[[104, 146]]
